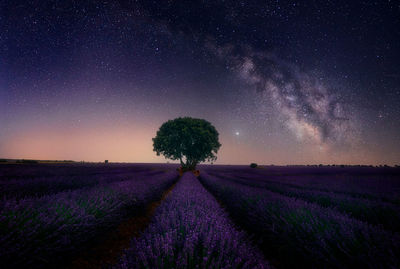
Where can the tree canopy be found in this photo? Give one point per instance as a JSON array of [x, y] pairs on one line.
[[188, 140]]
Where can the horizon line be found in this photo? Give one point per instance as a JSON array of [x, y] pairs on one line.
[[173, 162]]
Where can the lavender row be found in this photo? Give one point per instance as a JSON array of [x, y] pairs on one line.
[[191, 230], [28, 171], [35, 231], [371, 211], [312, 236], [372, 184], [39, 186], [375, 192]]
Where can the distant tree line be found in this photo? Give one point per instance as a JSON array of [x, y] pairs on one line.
[[30, 161], [27, 161]]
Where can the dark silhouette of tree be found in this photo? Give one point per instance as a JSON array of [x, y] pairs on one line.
[[188, 140], [253, 165]]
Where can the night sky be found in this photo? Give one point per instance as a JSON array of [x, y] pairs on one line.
[[284, 82]]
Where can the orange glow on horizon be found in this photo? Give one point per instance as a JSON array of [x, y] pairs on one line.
[[134, 144]]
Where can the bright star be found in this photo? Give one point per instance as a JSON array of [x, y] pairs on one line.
[[237, 133]]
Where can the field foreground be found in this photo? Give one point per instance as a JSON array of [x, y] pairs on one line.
[[228, 217]]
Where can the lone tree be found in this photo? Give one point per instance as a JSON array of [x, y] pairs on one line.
[[187, 139]]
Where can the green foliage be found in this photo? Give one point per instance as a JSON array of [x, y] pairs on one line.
[[3, 160], [187, 139], [253, 165]]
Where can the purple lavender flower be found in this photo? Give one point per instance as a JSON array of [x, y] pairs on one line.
[[33, 231], [312, 235], [191, 230]]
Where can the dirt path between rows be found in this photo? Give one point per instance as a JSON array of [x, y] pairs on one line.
[[111, 249]]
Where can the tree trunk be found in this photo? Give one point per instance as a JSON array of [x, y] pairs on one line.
[[192, 165], [189, 165]]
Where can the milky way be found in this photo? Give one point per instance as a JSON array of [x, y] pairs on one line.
[[309, 108]]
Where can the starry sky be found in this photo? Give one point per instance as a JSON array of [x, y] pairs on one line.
[[284, 82]]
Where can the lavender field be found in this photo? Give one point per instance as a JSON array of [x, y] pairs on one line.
[[49, 213], [320, 217], [228, 217]]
